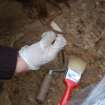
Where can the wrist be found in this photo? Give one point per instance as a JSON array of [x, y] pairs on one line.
[[21, 65], [26, 55]]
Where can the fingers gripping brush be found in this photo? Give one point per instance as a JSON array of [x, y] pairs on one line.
[[76, 68]]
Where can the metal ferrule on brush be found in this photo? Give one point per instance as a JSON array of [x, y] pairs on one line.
[[72, 75]]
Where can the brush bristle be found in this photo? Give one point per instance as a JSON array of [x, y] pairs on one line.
[[77, 64]]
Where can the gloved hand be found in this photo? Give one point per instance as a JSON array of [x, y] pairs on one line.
[[43, 51]]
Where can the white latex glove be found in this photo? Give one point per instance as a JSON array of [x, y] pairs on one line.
[[43, 51]]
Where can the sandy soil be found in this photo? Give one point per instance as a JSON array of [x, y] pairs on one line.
[[84, 27]]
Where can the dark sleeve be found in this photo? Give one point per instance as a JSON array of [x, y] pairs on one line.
[[8, 59]]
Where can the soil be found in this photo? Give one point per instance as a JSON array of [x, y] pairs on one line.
[[84, 27]]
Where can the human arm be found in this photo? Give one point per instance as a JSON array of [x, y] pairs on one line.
[[30, 57], [8, 61]]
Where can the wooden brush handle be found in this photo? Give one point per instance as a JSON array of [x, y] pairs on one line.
[[70, 85]]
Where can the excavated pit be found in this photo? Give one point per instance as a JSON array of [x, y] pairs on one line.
[[84, 27]]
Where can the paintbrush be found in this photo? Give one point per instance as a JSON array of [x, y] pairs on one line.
[[76, 67]]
